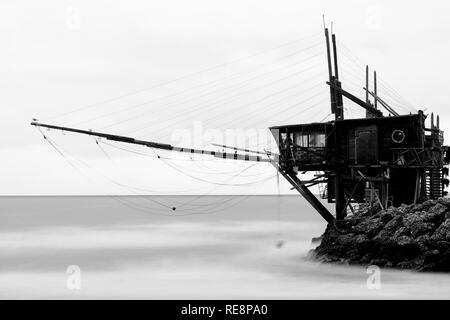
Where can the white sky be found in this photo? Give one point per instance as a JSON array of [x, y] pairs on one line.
[[58, 56]]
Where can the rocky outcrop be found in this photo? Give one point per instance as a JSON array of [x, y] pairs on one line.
[[408, 237]]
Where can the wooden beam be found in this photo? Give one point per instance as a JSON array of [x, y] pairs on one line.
[[336, 69], [330, 72], [339, 114], [156, 145], [384, 104], [356, 100], [367, 84], [308, 195], [375, 90]]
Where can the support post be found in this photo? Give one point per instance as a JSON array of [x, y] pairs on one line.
[[375, 90], [336, 69], [423, 181], [308, 195], [337, 93], [368, 114], [341, 204], [330, 73], [367, 84], [387, 179], [357, 100], [418, 188]]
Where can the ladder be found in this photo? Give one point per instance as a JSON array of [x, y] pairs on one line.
[[433, 181]]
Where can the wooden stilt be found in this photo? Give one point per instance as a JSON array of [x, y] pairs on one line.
[[418, 187], [308, 195]]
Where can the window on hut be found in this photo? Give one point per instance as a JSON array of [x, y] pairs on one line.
[[310, 140], [301, 139], [316, 140]]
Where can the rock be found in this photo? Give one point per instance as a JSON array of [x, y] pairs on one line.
[[429, 203], [444, 262], [345, 239], [421, 228], [379, 262], [394, 224], [410, 264], [369, 212], [442, 233], [403, 209], [365, 259], [386, 217], [441, 262], [409, 237], [441, 245], [347, 224], [432, 256], [438, 209], [370, 227], [444, 201], [402, 231], [424, 242], [412, 219], [435, 214], [406, 242]]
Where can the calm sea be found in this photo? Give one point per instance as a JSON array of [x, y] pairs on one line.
[[224, 247]]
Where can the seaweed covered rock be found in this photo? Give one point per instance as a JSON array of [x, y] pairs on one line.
[[408, 237]]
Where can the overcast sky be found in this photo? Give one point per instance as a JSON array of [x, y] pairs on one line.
[[225, 65]]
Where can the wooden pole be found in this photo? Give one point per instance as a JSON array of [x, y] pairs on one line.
[[375, 88], [418, 185], [339, 115], [308, 195], [336, 69], [330, 72], [367, 84], [368, 114], [337, 93]]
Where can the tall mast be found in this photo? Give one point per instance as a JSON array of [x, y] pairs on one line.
[[368, 114], [375, 89], [330, 73], [367, 84], [336, 70], [337, 93], [337, 109]]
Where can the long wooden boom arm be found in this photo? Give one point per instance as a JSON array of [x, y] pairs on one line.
[[156, 145]]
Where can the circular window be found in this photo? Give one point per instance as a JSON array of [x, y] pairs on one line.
[[398, 136]]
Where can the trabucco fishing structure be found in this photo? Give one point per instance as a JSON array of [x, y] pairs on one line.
[[384, 158]]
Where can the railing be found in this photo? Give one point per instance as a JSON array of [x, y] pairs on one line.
[[415, 157], [309, 155]]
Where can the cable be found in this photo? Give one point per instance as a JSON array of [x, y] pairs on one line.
[[141, 115], [213, 83], [123, 201], [176, 79]]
